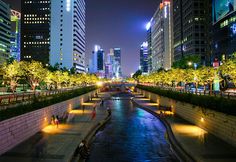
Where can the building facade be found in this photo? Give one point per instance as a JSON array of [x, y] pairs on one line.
[[35, 30], [161, 37], [5, 32], [15, 34], [117, 58], [97, 62], [224, 29], [192, 29], [144, 58], [149, 41], [68, 34], [109, 65]]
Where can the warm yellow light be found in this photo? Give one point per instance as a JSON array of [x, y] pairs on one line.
[[99, 84], [45, 119], [190, 130], [88, 104], [142, 99], [202, 119], [190, 63]]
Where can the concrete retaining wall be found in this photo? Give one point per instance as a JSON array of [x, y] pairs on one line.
[[219, 124], [15, 130]]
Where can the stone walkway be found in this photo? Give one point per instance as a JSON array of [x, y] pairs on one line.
[[54, 144], [198, 143]]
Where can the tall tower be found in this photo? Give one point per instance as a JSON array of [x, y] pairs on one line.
[[144, 57], [15, 34], [68, 34], [161, 37], [191, 29], [5, 31], [35, 30], [117, 58], [97, 64]]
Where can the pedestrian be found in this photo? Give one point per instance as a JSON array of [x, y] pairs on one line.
[[83, 107], [109, 111], [53, 120], [83, 149], [93, 115], [57, 121], [102, 102]]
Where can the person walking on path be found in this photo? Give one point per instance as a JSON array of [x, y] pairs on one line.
[[57, 121], [83, 107], [102, 103], [83, 149], [93, 115], [109, 111]]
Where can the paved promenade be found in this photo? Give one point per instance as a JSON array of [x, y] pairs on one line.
[[198, 143], [54, 144]]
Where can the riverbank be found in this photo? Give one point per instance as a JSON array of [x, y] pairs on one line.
[[59, 144], [191, 141]]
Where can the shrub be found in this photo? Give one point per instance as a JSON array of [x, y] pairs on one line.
[[43, 102], [220, 104]]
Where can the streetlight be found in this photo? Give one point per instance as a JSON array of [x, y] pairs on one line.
[[190, 63]]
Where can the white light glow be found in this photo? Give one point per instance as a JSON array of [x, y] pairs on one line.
[[68, 3], [148, 26]]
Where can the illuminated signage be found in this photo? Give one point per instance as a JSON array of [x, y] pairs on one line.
[[233, 28]]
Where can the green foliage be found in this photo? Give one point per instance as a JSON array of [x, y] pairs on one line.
[[183, 63], [137, 74], [43, 102], [219, 104]]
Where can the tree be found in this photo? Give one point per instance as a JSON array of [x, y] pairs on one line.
[[12, 73], [34, 73], [137, 74], [228, 70]]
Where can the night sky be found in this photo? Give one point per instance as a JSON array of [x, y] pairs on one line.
[[116, 23]]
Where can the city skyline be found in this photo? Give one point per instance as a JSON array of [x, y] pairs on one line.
[[127, 31]]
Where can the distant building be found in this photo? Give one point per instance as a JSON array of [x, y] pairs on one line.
[[109, 65], [149, 41], [97, 64], [67, 43], [5, 32], [144, 57], [117, 58], [161, 37], [35, 30], [15, 34], [191, 29], [224, 29]]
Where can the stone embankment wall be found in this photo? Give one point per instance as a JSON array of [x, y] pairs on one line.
[[219, 124], [16, 130]]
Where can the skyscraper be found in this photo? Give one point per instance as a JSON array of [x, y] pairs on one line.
[[117, 58], [161, 37], [144, 57], [68, 34], [97, 62], [191, 29], [15, 34], [5, 32], [110, 65], [35, 30], [224, 29], [149, 41]]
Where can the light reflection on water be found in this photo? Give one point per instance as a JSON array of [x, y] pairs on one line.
[[132, 135]]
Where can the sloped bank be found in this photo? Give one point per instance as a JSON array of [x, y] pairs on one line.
[[17, 129], [220, 124]]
